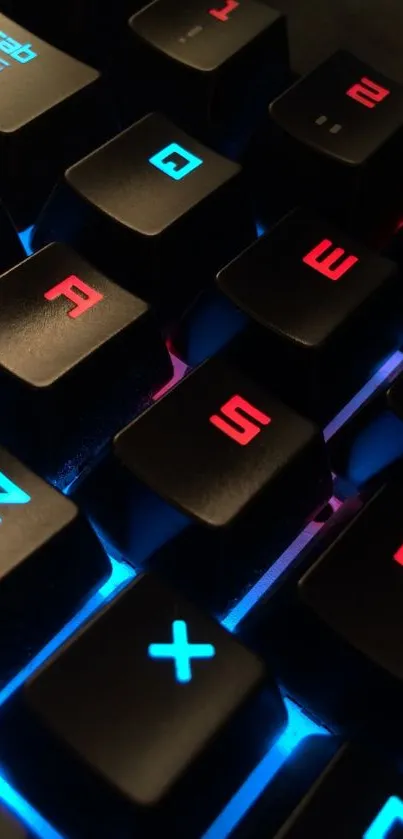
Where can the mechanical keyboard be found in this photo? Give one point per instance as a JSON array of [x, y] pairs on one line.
[[201, 435]]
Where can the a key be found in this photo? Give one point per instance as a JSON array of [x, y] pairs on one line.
[[148, 713], [352, 603], [74, 347], [49, 561], [11, 247], [359, 796], [324, 311], [154, 208], [342, 134], [50, 111], [221, 458], [214, 68]]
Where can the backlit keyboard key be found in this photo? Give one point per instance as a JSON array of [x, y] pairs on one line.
[[324, 311], [355, 590], [49, 116], [151, 711], [74, 347], [154, 208], [359, 796], [49, 561], [343, 131], [221, 456], [204, 60]]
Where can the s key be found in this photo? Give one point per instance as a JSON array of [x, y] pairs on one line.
[[219, 457], [49, 102], [202, 62], [74, 347], [50, 560], [154, 208], [342, 135]]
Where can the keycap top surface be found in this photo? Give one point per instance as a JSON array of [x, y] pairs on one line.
[[125, 712], [273, 282], [352, 131], [193, 36], [361, 576], [197, 467], [38, 84], [122, 182], [31, 515], [44, 337]]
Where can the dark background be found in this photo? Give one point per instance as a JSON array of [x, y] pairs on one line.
[[372, 29]]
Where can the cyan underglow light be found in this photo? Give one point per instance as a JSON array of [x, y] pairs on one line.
[[298, 727], [384, 376], [26, 813], [121, 575], [264, 583], [25, 237], [390, 815]]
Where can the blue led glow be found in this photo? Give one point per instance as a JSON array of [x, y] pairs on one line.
[[264, 583], [25, 237], [383, 376], [299, 727], [10, 493], [26, 813], [181, 651], [182, 164], [387, 818], [121, 575]]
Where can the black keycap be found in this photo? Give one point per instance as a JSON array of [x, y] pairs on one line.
[[203, 64], [217, 455], [359, 796], [76, 352], [144, 715], [355, 590], [10, 828], [11, 247], [323, 309], [90, 32], [342, 139], [49, 561], [153, 207], [50, 115]]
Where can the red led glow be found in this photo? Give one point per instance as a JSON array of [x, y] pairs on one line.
[[245, 430], [398, 556], [368, 93], [81, 303], [222, 14], [326, 266]]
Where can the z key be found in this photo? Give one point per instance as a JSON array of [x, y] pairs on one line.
[[50, 560]]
